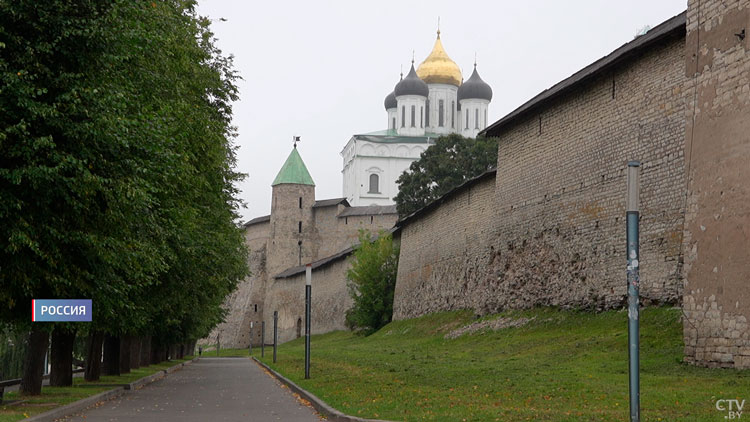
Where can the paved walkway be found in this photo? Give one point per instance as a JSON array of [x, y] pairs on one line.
[[211, 389]]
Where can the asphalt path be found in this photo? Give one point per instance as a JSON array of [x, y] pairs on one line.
[[210, 389]]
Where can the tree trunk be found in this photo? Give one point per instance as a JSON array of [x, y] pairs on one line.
[[146, 351], [94, 356], [157, 352], [135, 352], [182, 350], [125, 354], [111, 355], [61, 357], [33, 365]]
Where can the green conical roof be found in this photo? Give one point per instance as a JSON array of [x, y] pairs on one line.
[[293, 171]]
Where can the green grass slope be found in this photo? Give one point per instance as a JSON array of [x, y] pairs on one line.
[[561, 366]]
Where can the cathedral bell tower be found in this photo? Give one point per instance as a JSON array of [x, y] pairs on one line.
[[293, 232]]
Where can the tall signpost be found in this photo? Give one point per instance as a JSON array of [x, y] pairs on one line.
[[308, 298], [263, 338], [632, 215]]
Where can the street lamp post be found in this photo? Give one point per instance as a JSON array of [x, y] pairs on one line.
[[632, 222], [308, 298]]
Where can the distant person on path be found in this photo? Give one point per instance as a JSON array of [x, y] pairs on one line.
[[200, 350]]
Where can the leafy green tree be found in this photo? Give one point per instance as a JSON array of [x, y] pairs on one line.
[[448, 163], [372, 282], [116, 178]]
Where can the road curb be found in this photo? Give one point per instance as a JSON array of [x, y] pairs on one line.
[[322, 407], [83, 404]]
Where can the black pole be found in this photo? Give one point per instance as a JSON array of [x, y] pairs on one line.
[[262, 338], [308, 300], [250, 349], [275, 333]]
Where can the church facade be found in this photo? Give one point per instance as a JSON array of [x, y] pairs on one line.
[[432, 100]]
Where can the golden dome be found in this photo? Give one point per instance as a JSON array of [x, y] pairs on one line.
[[438, 68]]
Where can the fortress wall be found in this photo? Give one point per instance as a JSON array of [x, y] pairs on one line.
[[444, 254], [717, 221], [556, 231], [561, 183], [245, 303], [338, 233], [330, 301]]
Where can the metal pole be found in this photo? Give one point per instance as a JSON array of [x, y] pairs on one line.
[[275, 333], [632, 216], [262, 338], [308, 299], [250, 352], [218, 343]]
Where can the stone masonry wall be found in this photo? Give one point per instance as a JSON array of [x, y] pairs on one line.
[[245, 304], [561, 183], [717, 221], [342, 232], [557, 235], [330, 301], [445, 254]]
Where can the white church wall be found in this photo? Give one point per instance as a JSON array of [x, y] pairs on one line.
[[404, 115], [473, 111], [449, 94]]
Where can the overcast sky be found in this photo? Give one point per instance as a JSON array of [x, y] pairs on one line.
[[321, 69]]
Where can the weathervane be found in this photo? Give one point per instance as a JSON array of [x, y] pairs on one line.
[[295, 139]]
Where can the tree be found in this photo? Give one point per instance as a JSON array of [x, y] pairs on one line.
[[371, 282], [447, 164], [116, 178]]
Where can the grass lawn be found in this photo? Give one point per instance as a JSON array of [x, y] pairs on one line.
[[561, 366], [52, 397]]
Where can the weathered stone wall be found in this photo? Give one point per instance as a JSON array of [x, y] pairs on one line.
[[245, 304], [558, 233], [330, 301], [717, 221], [561, 190], [338, 233], [274, 248], [444, 254]]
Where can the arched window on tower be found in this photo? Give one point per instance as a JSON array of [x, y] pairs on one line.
[[374, 182], [403, 116], [485, 118], [441, 113], [453, 114], [476, 118], [467, 118], [421, 116], [393, 126], [413, 116]]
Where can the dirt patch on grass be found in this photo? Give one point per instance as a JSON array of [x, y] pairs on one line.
[[493, 324]]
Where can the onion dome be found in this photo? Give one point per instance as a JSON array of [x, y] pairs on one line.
[[390, 101], [475, 87], [411, 85], [438, 68]]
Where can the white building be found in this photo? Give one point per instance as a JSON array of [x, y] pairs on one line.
[[429, 102]]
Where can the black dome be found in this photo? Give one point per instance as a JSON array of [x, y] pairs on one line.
[[475, 87], [411, 85], [390, 101]]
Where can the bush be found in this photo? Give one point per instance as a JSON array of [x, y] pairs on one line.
[[371, 282]]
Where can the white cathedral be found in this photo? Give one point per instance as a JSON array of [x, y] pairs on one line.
[[431, 101]]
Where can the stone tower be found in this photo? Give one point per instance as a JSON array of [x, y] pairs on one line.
[[292, 237]]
